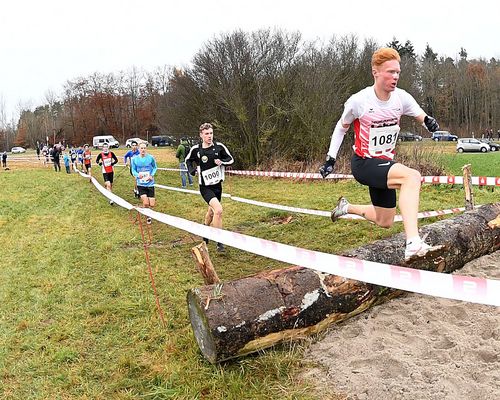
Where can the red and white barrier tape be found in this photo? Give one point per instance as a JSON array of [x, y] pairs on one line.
[[458, 287], [451, 180], [320, 213], [459, 180], [294, 175]]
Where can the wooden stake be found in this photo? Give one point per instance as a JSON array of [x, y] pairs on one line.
[[204, 264], [469, 194]]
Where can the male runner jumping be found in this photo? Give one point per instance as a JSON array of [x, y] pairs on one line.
[[375, 112]]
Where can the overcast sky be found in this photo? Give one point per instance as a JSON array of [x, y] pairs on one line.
[[43, 43]]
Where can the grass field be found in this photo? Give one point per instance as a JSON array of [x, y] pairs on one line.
[[78, 318]]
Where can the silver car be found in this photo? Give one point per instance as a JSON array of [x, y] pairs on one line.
[[471, 144]]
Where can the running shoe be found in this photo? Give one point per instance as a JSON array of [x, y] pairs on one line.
[[340, 209], [111, 202], [148, 221], [220, 248], [421, 251], [206, 240]]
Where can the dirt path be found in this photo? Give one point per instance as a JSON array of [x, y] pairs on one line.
[[415, 347]]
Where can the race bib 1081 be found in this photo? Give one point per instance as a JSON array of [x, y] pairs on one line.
[[383, 141]]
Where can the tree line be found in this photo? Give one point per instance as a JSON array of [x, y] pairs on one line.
[[269, 94]]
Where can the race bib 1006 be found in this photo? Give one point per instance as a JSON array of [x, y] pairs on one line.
[[212, 176], [383, 141]]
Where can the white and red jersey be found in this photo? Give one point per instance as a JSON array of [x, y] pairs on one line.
[[376, 122], [108, 160], [87, 156]]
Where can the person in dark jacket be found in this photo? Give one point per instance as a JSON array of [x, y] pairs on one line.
[[181, 153], [209, 159]]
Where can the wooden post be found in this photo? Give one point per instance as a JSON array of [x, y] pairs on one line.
[[469, 194], [204, 264]]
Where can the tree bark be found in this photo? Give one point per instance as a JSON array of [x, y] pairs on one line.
[[256, 312]]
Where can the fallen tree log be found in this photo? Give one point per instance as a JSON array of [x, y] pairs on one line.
[[256, 312]]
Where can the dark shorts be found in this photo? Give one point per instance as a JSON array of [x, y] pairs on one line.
[[108, 176], [149, 191], [373, 172], [87, 167], [209, 192]]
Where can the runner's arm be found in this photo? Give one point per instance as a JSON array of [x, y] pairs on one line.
[[226, 157], [133, 168], [98, 159], [191, 160], [115, 159], [337, 138], [155, 168], [428, 122]]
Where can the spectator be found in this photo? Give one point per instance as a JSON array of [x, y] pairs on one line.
[[66, 163], [181, 153], [56, 154]]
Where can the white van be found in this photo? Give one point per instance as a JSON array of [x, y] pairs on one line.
[[98, 141]]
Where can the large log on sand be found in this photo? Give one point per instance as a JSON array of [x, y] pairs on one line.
[[256, 312]]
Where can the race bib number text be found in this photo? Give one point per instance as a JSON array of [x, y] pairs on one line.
[[212, 176], [383, 141]]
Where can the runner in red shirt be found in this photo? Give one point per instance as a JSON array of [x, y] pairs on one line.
[[87, 160], [375, 112], [107, 159]]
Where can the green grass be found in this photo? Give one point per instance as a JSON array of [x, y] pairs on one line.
[[487, 164], [78, 317], [481, 164]]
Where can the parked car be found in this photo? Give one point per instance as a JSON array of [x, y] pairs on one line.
[[18, 149], [99, 141], [193, 140], [162, 140], [471, 144], [444, 136], [408, 136], [128, 143], [493, 146]]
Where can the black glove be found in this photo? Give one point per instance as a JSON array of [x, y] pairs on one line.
[[431, 124], [327, 167]]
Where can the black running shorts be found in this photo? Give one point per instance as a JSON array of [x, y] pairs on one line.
[[373, 172], [149, 191], [108, 176], [209, 192]]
